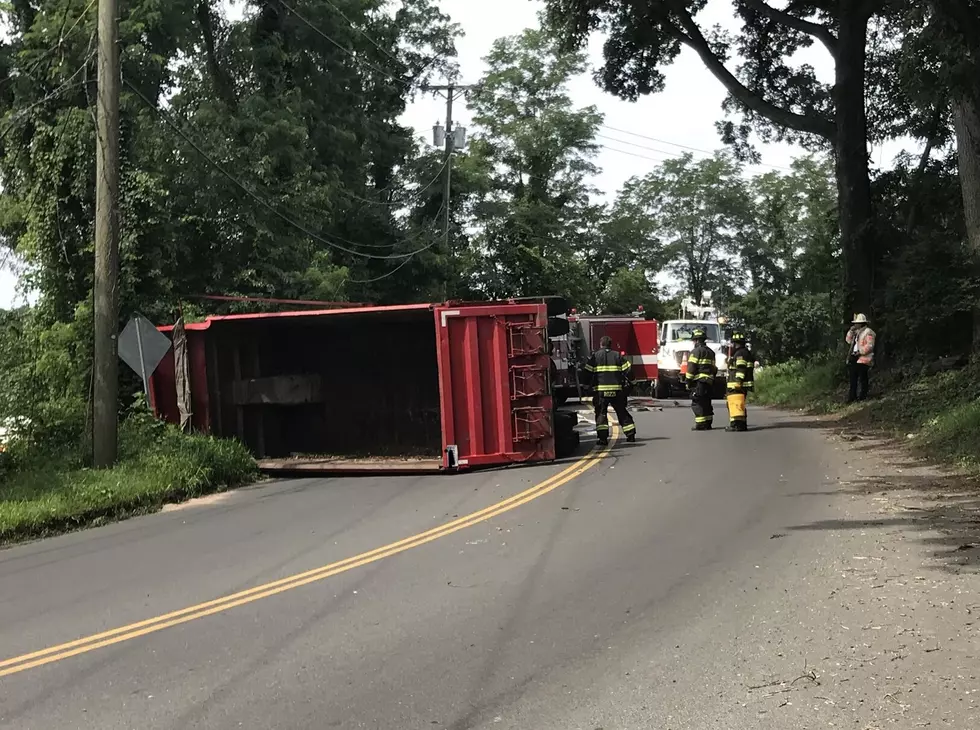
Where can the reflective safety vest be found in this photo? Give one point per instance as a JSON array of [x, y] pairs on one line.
[[609, 370], [701, 364], [741, 370]]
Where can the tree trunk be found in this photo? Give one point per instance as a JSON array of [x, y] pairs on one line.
[[857, 229], [966, 120]]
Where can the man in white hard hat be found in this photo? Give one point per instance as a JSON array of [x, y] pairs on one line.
[[861, 355]]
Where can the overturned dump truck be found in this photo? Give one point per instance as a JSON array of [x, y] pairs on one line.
[[412, 388]]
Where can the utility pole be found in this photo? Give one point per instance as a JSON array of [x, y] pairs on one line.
[[452, 92], [105, 368]]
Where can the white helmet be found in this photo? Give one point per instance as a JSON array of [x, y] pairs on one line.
[[860, 319]]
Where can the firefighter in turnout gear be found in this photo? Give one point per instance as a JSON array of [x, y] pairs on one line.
[[610, 381], [701, 371], [741, 365]]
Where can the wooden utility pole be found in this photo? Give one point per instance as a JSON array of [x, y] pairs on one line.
[[105, 368], [452, 92]]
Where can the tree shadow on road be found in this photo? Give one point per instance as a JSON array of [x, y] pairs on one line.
[[944, 509]]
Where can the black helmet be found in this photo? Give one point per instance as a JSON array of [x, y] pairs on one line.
[[738, 337], [699, 334]]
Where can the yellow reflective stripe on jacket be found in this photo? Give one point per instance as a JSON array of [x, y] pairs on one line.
[[590, 368], [700, 361], [740, 375], [627, 365], [608, 368], [608, 388]]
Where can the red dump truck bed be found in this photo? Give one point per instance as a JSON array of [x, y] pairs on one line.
[[422, 387]]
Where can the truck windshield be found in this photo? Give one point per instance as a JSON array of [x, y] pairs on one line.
[[685, 330]]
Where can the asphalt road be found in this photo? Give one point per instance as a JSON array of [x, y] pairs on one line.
[[591, 602]]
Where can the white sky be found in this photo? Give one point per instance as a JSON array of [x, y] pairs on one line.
[[682, 116]]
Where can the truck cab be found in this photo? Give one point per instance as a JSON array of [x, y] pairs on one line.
[[676, 343]]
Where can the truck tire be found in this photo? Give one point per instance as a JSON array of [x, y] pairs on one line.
[[662, 390]]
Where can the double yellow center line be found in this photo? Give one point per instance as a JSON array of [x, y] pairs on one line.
[[201, 610]]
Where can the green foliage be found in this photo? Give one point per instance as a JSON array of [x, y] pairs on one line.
[[787, 326], [42, 494], [696, 209], [628, 289], [813, 384], [938, 416], [537, 224]]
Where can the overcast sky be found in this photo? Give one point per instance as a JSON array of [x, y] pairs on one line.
[[682, 117]]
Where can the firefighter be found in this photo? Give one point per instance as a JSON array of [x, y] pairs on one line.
[[741, 366], [610, 380], [701, 371]]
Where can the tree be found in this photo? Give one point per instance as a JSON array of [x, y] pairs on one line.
[[698, 209], [538, 220], [940, 70], [629, 288], [778, 100]]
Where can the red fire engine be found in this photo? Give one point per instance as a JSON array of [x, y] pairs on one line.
[[632, 334]]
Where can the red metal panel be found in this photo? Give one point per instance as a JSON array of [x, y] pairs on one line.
[[354, 310], [636, 338], [163, 390], [647, 347], [493, 379], [198, 373], [621, 333], [163, 383]]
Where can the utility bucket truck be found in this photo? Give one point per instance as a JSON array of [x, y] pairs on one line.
[[676, 343]]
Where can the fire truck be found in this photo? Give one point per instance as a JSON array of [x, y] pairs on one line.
[[575, 337]]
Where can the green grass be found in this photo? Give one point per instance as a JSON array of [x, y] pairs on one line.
[[812, 385], [941, 412], [43, 494]]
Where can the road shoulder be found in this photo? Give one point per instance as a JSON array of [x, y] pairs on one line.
[[890, 626]]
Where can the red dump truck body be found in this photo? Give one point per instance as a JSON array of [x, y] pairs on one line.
[[422, 387]]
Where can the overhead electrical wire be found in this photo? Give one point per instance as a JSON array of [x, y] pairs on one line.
[[61, 39], [663, 141], [412, 196], [359, 30], [68, 84], [403, 263], [345, 49], [335, 242]]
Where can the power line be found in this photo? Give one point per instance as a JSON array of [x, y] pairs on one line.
[[68, 84], [663, 141], [633, 154], [403, 263], [414, 194], [654, 139], [258, 198], [363, 33], [61, 39], [345, 49]]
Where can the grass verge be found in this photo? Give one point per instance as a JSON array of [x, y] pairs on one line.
[[43, 494], [938, 416]]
